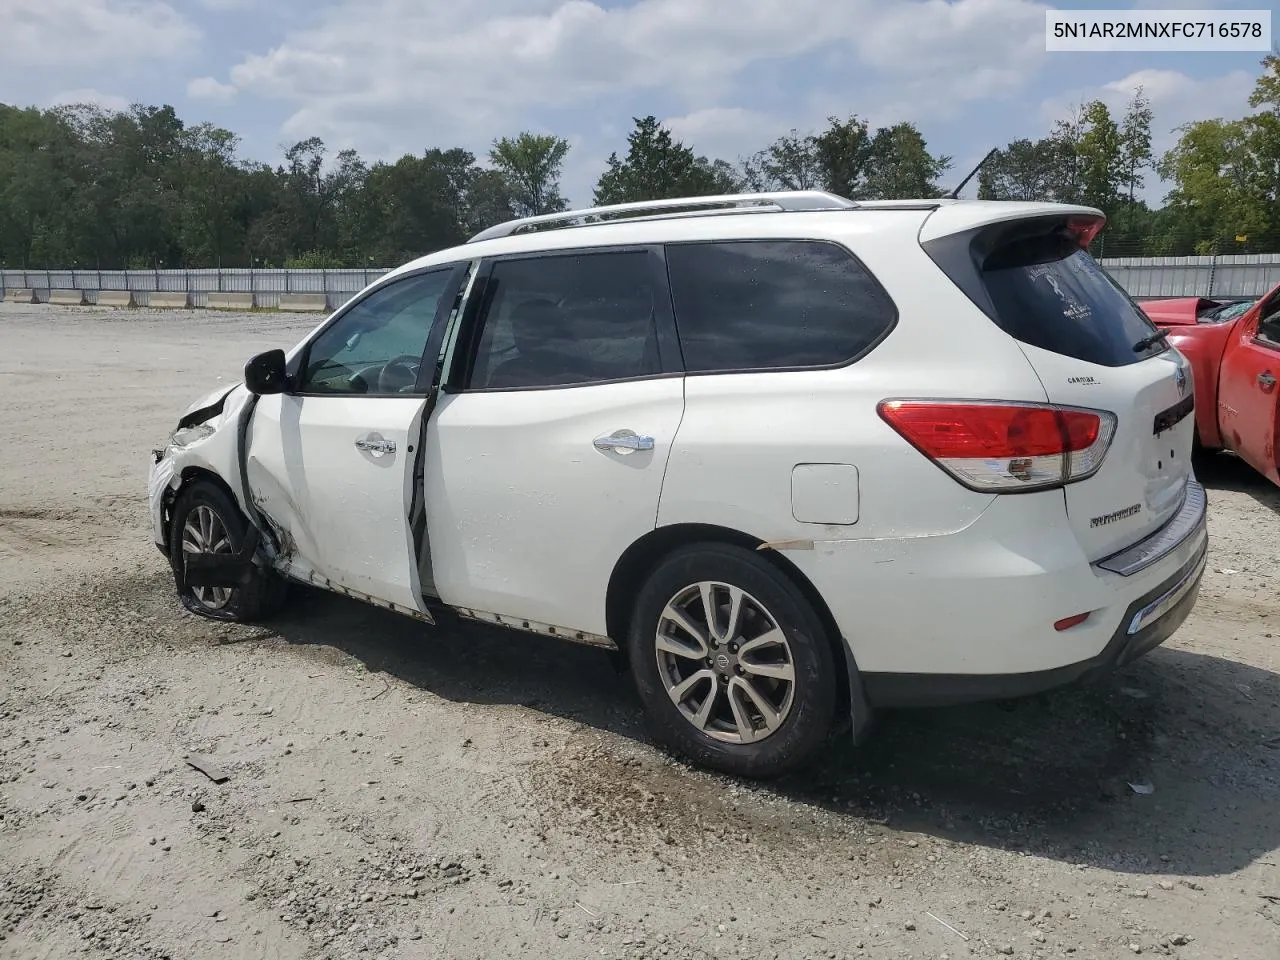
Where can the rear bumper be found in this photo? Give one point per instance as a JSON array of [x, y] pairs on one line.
[[973, 614], [1147, 622]]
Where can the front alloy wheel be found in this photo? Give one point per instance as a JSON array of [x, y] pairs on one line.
[[206, 520], [204, 532]]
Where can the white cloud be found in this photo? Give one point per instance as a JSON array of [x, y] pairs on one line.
[[208, 88], [61, 33], [1176, 98], [415, 68], [730, 133], [108, 101]]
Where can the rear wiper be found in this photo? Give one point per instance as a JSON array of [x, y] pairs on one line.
[[1155, 338]]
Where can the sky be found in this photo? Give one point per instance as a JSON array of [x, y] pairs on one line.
[[389, 77]]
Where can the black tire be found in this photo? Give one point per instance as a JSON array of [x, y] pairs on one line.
[[811, 714], [265, 592]]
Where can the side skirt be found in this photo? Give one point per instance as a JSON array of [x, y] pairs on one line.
[[324, 583], [532, 626], [476, 616]]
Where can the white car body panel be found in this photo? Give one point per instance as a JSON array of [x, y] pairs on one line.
[[1142, 472], [526, 520], [982, 601], [526, 517], [344, 511]]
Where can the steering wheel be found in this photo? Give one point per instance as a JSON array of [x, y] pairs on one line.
[[399, 374]]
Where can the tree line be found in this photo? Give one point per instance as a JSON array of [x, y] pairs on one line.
[[83, 186]]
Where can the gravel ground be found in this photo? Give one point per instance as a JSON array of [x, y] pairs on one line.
[[395, 791]]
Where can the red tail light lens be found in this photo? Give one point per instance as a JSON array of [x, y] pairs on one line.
[[1004, 446]]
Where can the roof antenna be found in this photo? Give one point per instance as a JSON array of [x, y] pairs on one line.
[[955, 194]]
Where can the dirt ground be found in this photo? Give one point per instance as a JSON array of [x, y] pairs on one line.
[[395, 791]]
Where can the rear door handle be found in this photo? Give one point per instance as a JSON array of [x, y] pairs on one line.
[[1266, 380], [376, 445], [623, 441]]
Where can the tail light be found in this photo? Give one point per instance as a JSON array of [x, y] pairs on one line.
[[1084, 229], [1004, 447]]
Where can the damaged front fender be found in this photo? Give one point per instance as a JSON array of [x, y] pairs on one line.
[[205, 441]]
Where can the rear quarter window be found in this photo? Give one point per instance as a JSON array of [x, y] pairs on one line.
[[774, 304]]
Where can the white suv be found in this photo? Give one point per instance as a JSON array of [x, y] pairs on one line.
[[794, 457]]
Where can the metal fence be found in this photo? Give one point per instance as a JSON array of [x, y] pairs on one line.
[[1222, 276], [1249, 275], [266, 285]]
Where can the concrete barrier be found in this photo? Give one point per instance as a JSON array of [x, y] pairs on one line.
[[304, 302], [169, 298], [115, 298], [66, 298], [14, 295], [230, 301]]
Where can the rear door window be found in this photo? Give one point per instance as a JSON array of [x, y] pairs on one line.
[[1049, 293], [567, 319], [774, 304]]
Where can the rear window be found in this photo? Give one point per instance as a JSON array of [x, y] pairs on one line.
[[1047, 292]]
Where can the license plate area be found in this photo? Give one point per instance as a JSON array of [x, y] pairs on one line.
[[1169, 418]]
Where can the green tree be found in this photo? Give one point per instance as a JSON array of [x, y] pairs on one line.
[[789, 163], [1135, 144], [900, 166], [658, 166], [1028, 170], [1214, 172], [211, 190], [843, 155], [531, 165], [1100, 151]]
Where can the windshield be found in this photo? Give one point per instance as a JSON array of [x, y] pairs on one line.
[[1228, 311]]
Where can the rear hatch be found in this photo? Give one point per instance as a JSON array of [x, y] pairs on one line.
[[1093, 348]]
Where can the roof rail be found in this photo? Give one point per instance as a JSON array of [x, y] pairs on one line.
[[790, 201]]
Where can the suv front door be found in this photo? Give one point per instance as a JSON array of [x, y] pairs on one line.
[[331, 461], [1248, 394], [546, 451]]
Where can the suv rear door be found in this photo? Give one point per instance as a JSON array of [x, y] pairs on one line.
[[1092, 347], [547, 448]]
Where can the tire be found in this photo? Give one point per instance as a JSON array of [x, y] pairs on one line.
[[258, 599], [805, 716]]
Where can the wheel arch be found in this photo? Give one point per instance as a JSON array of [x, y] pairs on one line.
[[186, 477], [638, 560]]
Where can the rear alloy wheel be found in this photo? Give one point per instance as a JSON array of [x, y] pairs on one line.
[[207, 521], [732, 663], [725, 663]]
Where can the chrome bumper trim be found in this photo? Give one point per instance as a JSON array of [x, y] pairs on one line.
[[1184, 524], [1162, 604]]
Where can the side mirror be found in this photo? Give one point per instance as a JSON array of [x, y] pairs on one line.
[[265, 373]]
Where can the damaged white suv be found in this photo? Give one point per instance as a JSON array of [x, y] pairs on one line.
[[794, 457]]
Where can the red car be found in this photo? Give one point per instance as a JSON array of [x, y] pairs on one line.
[[1234, 351]]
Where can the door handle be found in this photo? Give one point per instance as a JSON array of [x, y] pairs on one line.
[[1266, 380], [623, 441], [375, 445]]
